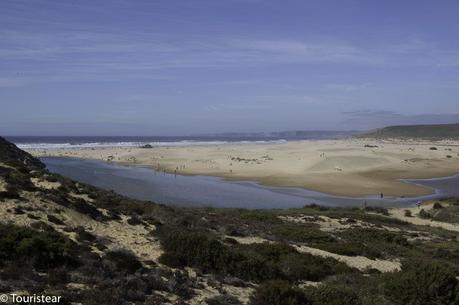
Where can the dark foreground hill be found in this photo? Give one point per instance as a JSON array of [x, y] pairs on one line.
[[435, 132], [90, 246]]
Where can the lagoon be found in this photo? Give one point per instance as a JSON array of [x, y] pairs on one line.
[[204, 191]]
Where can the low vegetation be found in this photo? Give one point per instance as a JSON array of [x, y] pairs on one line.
[[438, 131], [423, 283], [40, 249], [253, 262], [446, 211]]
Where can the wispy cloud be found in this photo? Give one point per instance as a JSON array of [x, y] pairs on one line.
[[88, 53], [297, 50], [348, 87]]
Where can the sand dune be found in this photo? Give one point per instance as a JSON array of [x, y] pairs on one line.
[[415, 219], [353, 167], [359, 262]]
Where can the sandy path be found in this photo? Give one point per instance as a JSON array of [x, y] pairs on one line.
[[328, 224], [2, 185], [359, 262], [399, 213]]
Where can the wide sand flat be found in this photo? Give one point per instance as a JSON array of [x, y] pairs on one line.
[[341, 167]]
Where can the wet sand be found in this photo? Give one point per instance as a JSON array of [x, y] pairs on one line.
[[352, 167]]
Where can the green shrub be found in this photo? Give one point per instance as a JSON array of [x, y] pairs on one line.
[[257, 262], [425, 215], [205, 252], [350, 248], [302, 233], [84, 236], [84, 207], [223, 299], [437, 205], [378, 210], [373, 243], [294, 265], [124, 260], [55, 220], [331, 295], [134, 220], [18, 180], [423, 283], [15, 157], [375, 235], [447, 214], [309, 267], [264, 216], [45, 249], [279, 293]]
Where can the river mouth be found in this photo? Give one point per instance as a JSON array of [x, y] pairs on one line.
[[204, 191]]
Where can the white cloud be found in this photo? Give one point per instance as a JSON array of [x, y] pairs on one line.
[[86, 53]]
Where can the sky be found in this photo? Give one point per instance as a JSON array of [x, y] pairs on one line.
[[173, 67]]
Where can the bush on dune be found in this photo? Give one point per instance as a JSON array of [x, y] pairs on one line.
[[223, 299], [45, 249], [210, 255], [124, 260], [302, 233], [425, 215], [15, 157], [372, 243], [331, 295], [423, 283], [257, 262], [279, 293]]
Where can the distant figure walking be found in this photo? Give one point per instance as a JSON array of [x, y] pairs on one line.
[[382, 195]]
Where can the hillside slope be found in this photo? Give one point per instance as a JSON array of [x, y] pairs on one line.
[[437, 132], [90, 246]]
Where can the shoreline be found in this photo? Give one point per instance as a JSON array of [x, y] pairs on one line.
[[336, 167], [206, 191], [434, 191]]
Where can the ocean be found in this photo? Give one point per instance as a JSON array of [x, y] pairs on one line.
[[131, 141], [25, 142]]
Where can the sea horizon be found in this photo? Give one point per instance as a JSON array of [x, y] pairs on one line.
[[47, 142]]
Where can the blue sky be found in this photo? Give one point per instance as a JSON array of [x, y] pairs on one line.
[[180, 67]]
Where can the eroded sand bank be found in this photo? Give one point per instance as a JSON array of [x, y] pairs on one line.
[[351, 167]]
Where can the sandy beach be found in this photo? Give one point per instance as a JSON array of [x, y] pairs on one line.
[[350, 167]]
